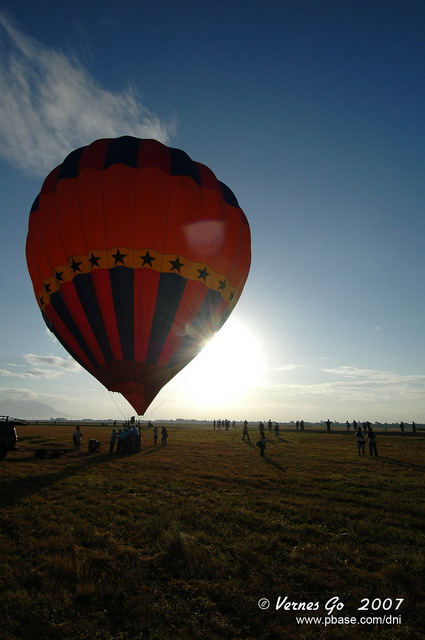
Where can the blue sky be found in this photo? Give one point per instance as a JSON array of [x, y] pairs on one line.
[[312, 113]]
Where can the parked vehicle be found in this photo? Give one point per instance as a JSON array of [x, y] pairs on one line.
[[9, 439], [8, 435]]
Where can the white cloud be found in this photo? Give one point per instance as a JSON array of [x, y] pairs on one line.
[[378, 377], [64, 364], [51, 105], [50, 374], [42, 367], [356, 385], [289, 367], [17, 393]]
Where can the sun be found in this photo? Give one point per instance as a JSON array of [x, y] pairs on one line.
[[228, 367]]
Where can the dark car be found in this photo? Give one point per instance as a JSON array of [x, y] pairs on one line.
[[8, 435]]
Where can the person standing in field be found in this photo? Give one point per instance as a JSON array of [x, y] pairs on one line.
[[245, 432], [276, 430], [112, 440], [119, 440], [164, 436], [371, 436], [77, 437], [360, 440], [413, 427], [155, 434]]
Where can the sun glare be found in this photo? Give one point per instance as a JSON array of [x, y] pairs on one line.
[[229, 366]]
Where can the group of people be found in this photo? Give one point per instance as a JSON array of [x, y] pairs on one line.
[[261, 443], [223, 424], [127, 439], [361, 435]]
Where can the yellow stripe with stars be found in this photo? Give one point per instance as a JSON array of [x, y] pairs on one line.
[[136, 259]]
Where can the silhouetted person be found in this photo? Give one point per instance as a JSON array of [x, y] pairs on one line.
[[112, 440], [328, 425], [360, 440], [413, 427], [371, 436], [120, 440], [261, 444], [164, 436], [245, 432], [155, 434], [276, 430], [401, 426], [77, 437]]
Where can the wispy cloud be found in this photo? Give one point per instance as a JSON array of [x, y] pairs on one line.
[[352, 384], [50, 105], [42, 367], [63, 364], [289, 367], [18, 393], [376, 377]]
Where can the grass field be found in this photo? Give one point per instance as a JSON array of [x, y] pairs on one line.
[[181, 542]]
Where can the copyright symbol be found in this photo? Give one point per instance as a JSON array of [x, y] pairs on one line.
[[263, 603]]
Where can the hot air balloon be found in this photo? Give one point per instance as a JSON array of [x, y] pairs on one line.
[[137, 256]]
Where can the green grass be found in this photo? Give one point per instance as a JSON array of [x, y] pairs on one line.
[[182, 541]]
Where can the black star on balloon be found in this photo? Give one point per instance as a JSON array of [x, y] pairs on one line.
[[75, 266], [232, 295], [203, 274], [222, 285], [176, 264], [41, 299], [47, 287], [94, 260], [119, 257], [58, 275], [147, 259]]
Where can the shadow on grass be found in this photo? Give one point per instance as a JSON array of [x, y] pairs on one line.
[[400, 463], [274, 464], [152, 449], [13, 491]]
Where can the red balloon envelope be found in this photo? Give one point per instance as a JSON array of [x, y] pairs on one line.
[[137, 256]]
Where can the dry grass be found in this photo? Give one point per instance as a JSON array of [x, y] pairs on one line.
[[182, 541]]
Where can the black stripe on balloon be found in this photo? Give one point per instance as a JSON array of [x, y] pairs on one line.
[[87, 294], [35, 204], [62, 310], [182, 165], [228, 195], [122, 285], [59, 339], [202, 328], [122, 150], [69, 167], [169, 293]]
